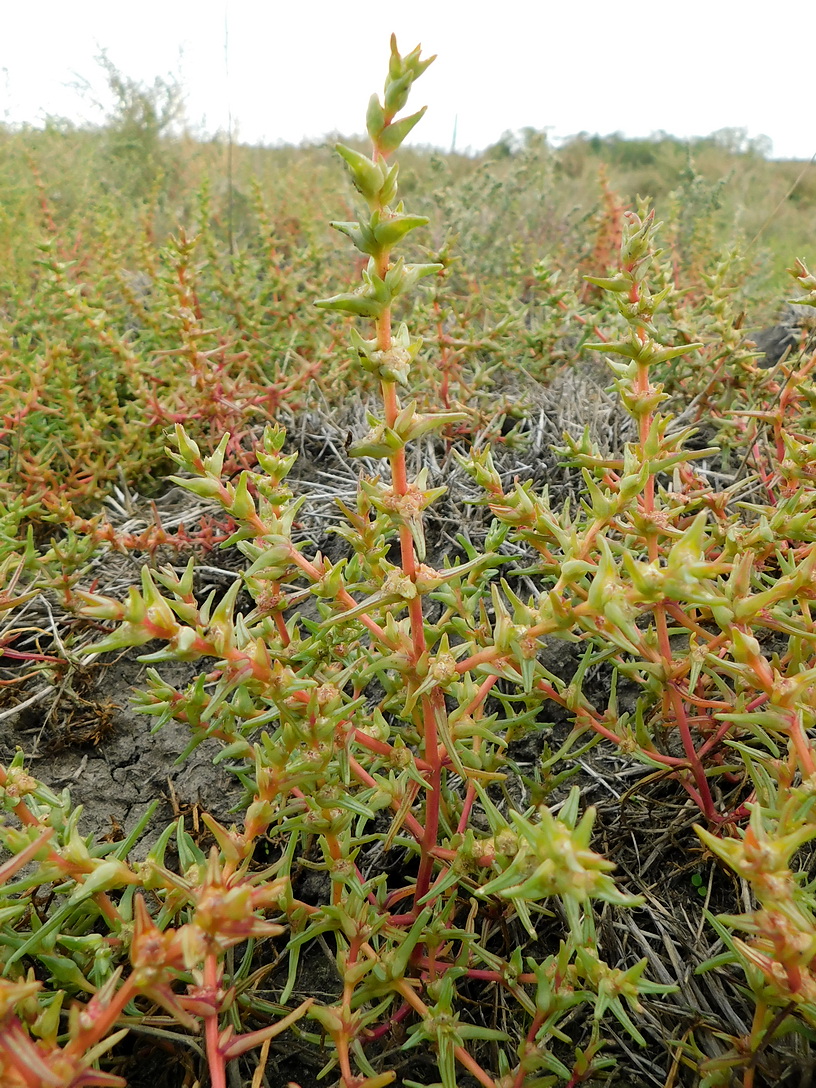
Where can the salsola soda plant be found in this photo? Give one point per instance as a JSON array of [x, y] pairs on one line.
[[359, 725], [367, 707]]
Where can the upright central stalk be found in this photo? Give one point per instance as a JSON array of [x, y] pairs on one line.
[[433, 703], [674, 705], [381, 227]]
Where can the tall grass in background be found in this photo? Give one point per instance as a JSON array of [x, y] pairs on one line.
[[105, 265]]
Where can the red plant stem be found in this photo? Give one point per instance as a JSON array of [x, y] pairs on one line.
[[102, 1019], [643, 387], [411, 822], [801, 744], [679, 616], [583, 320], [371, 897], [105, 904], [434, 796], [480, 696], [370, 1034], [464, 819], [714, 739], [444, 385], [403, 919], [215, 1059], [336, 854], [697, 769], [705, 704], [462, 1055], [383, 749], [10, 867], [538, 1020], [695, 796], [484, 975], [481, 657], [397, 895], [280, 623], [341, 1038], [433, 703]]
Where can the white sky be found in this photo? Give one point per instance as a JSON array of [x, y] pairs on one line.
[[304, 68]]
